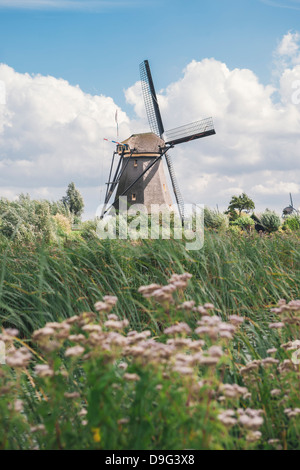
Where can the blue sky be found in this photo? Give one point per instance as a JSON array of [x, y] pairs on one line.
[[67, 65], [100, 48]]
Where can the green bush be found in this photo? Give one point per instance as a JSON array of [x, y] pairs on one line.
[[245, 222], [292, 222], [270, 221], [215, 220], [26, 220], [88, 230]]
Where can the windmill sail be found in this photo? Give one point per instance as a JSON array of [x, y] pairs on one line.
[[153, 113], [178, 196], [195, 130], [156, 125]]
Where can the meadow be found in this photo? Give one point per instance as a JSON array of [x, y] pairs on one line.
[[144, 345]]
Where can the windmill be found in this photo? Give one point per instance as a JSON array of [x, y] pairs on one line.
[[139, 172], [290, 210]]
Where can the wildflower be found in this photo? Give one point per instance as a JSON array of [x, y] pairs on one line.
[[215, 351], [43, 333], [11, 332], [92, 328], [112, 316], [200, 310], [18, 358], [37, 428], [291, 413], [271, 351], [250, 419], [72, 395], [188, 305], [123, 421], [273, 441], [227, 418], [233, 391], [196, 345], [131, 377], [269, 361], [77, 338], [18, 406], [116, 325], [74, 351], [110, 300], [209, 306], [82, 412], [96, 434], [123, 365], [291, 345], [277, 326], [208, 360], [275, 392], [180, 328], [72, 320], [254, 436], [147, 291], [236, 320], [102, 307], [43, 370], [183, 370]]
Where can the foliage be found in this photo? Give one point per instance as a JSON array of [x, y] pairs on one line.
[[73, 200], [292, 222], [90, 382], [270, 221], [26, 220], [215, 220], [239, 204], [246, 222], [49, 283], [63, 224], [88, 230]]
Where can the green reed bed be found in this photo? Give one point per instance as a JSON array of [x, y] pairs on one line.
[[93, 382], [244, 274]]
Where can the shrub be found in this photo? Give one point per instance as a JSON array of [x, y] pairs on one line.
[[245, 222], [292, 222], [270, 221], [215, 220], [63, 224], [28, 220], [88, 230]]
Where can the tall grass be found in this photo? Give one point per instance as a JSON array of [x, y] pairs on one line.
[[244, 274]]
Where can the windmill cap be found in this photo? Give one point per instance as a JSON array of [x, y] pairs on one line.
[[145, 143]]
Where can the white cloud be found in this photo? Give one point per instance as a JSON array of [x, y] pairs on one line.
[[52, 133], [289, 44]]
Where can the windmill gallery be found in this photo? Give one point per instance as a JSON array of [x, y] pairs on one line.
[[137, 165]]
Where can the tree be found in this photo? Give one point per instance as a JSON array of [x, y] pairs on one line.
[[73, 200], [239, 203]]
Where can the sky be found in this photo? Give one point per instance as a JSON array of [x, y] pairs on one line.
[[66, 66]]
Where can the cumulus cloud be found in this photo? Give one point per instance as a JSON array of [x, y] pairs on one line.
[[52, 133], [256, 136]]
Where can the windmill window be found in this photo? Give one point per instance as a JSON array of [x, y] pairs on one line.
[[133, 197], [165, 189], [135, 163]]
